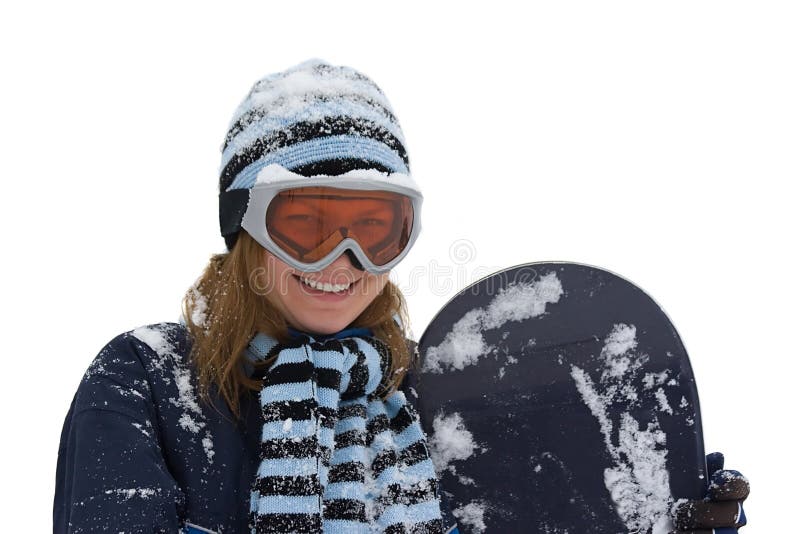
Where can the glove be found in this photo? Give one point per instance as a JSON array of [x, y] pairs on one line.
[[721, 510]]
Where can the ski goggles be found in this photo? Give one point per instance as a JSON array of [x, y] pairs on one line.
[[309, 222]]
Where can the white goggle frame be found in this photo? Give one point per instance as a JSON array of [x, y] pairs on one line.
[[273, 179]]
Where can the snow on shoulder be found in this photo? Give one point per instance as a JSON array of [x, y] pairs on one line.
[[192, 419], [465, 344]]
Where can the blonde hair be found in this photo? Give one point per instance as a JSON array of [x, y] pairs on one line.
[[223, 311]]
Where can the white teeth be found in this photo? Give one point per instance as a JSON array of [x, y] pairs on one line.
[[330, 288]]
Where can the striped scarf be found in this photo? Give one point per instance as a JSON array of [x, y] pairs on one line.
[[335, 457]]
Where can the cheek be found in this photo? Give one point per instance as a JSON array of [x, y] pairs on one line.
[[281, 287], [376, 284]]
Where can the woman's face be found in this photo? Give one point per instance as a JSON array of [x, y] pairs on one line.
[[317, 311]]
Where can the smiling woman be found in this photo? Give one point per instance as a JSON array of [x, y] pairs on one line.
[[278, 404]]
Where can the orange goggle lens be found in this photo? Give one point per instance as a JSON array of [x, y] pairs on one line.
[[309, 222]]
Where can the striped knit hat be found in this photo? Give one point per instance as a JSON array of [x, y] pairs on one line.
[[312, 119]]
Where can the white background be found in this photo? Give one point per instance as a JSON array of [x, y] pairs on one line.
[[657, 140]]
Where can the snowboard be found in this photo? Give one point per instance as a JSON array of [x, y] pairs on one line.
[[559, 398]]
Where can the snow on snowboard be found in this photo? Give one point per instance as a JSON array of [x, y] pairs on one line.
[[558, 398]]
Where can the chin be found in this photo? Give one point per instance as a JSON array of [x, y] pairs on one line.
[[324, 327]]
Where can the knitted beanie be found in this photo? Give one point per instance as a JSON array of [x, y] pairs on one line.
[[312, 119]]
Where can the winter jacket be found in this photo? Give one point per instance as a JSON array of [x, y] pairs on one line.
[[140, 451]]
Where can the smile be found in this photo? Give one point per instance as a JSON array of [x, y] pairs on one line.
[[326, 287]]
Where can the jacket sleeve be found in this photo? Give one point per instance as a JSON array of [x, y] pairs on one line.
[[111, 475]]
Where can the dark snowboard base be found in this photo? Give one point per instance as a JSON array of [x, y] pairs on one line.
[[559, 398]]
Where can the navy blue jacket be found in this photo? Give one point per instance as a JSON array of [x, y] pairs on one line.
[[140, 452]]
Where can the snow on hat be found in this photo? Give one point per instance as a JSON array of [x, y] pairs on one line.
[[312, 119]]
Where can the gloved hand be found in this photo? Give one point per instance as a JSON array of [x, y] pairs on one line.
[[721, 509]]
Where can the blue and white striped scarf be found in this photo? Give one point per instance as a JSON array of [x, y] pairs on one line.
[[335, 457]]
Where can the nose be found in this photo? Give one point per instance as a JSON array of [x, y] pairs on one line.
[[345, 260], [354, 260]]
